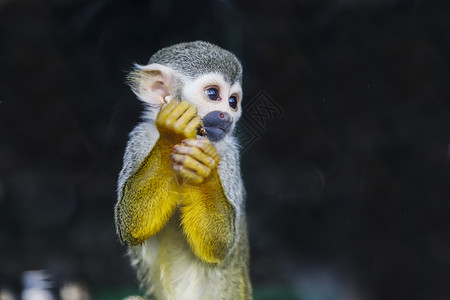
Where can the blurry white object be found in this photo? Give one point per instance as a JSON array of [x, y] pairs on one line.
[[73, 291], [36, 285]]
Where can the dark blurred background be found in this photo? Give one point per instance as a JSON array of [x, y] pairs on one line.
[[348, 186]]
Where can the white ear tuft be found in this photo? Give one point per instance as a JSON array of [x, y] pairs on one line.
[[153, 83]]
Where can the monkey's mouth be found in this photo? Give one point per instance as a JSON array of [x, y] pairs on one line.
[[216, 130], [215, 133]]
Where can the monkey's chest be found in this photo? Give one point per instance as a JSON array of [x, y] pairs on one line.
[[176, 273]]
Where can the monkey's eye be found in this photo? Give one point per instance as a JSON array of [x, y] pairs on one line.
[[212, 93], [233, 102]]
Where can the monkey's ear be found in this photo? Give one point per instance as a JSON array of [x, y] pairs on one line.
[[152, 83]]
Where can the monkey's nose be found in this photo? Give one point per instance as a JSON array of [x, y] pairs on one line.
[[217, 124], [217, 118], [226, 117]]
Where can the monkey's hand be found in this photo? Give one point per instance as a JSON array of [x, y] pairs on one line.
[[195, 160], [151, 194], [177, 121], [207, 216]]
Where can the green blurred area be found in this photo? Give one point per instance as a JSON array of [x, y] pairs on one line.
[[115, 293], [259, 293]]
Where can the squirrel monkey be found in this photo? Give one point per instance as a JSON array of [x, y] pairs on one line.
[[180, 201]]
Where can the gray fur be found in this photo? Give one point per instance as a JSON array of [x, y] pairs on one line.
[[196, 58]]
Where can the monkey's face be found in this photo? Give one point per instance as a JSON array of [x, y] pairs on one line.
[[218, 103]]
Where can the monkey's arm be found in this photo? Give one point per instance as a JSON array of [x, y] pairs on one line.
[[150, 194], [148, 197], [208, 217], [208, 220]]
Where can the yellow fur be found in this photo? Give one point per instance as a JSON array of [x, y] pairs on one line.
[[208, 219], [149, 197]]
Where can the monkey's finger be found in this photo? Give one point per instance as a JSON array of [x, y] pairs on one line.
[[192, 164], [187, 174], [195, 153], [176, 113], [190, 131], [169, 119], [185, 118], [204, 145], [167, 109], [209, 149]]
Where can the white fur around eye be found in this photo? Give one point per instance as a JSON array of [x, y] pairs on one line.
[[194, 91]]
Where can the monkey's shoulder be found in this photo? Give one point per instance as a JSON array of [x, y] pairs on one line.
[[141, 140]]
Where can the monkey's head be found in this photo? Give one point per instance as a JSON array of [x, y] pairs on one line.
[[202, 73]]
